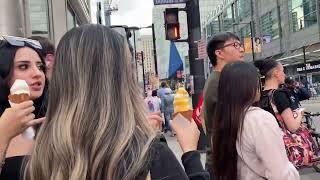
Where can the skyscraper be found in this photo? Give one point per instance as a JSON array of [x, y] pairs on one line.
[[146, 46]]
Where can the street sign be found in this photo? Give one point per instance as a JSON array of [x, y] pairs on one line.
[[160, 2], [202, 49]]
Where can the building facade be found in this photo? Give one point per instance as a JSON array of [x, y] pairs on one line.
[[48, 18], [206, 8], [281, 30]]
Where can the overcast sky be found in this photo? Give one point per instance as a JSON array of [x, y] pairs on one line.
[[133, 13]]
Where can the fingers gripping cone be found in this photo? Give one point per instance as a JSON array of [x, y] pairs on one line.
[[19, 93]]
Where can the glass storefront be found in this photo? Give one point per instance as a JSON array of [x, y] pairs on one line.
[[39, 17], [298, 73], [269, 24], [303, 14]]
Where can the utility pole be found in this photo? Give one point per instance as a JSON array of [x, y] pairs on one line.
[[305, 66], [143, 76], [194, 35], [135, 50], [252, 39], [154, 51]]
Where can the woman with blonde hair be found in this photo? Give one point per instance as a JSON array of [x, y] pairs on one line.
[[96, 125]]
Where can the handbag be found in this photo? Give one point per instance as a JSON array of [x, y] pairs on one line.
[[301, 148]]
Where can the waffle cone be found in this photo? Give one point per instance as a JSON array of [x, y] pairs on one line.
[[186, 114], [18, 98]]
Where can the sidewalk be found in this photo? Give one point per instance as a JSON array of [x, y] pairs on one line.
[[312, 100]]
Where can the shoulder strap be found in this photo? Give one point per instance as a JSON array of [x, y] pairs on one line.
[[274, 108]]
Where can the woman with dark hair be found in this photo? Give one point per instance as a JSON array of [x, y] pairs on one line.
[[280, 103], [274, 76], [246, 140], [19, 59]]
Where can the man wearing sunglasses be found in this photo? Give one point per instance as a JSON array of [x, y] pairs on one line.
[[221, 49]]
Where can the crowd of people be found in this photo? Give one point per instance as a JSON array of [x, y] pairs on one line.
[[92, 122]]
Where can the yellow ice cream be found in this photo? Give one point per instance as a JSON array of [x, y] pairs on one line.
[[181, 101]]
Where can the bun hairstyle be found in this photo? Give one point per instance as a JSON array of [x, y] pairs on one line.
[[266, 66]]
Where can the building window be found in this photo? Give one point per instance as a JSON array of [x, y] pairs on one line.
[[269, 24], [303, 14], [213, 27], [245, 32], [71, 19], [227, 18], [244, 9], [39, 16]]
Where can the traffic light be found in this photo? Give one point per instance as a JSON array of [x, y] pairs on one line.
[[172, 26]]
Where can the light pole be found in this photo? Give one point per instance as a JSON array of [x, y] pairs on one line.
[[251, 37], [133, 29]]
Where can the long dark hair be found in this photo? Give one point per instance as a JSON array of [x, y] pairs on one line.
[[238, 85], [7, 54]]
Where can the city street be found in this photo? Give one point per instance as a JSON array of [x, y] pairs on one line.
[[306, 174]]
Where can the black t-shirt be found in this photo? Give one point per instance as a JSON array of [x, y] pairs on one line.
[[281, 99]]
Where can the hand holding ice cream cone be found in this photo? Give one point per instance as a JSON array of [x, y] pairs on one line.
[[20, 93]]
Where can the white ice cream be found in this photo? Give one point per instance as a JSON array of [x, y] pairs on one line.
[[20, 87]]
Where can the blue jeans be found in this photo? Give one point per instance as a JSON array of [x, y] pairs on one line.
[[167, 118]]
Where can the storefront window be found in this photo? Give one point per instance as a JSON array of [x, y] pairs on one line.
[[227, 18], [302, 14], [269, 24], [244, 9], [39, 16]]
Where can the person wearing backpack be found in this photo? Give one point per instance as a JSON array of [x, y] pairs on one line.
[[278, 102]]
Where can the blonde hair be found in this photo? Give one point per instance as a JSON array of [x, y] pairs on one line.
[[96, 126]]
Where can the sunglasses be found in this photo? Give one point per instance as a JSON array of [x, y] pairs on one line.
[[20, 42]]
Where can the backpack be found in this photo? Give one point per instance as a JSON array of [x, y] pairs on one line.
[[302, 151]]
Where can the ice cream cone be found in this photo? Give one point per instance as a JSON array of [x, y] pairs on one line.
[[182, 104], [19, 93]]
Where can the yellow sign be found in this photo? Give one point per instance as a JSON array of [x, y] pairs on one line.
[[247, 45]]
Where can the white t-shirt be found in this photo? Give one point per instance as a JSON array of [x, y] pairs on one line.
[[153, 103]]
